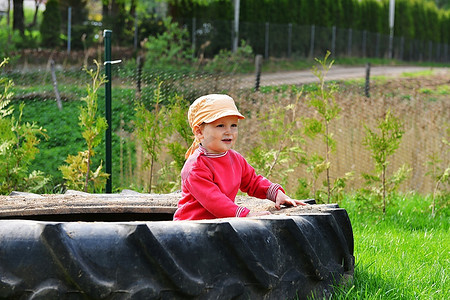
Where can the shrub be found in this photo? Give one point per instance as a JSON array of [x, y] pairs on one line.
[[78, 172], [51, 24], [383, 143], [18, 141]]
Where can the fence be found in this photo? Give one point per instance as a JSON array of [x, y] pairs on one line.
[[422, 104], [292, 40]]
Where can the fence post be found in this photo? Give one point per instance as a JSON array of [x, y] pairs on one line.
[[377, 46], [69, 28], [422, 50], [364, 43], [402, 47], [411, 50], [108, 164], [445, 52], [266, 46], [55, 84], [367, 84], [333, 41], [139, 62], [349, 46], [311, 51], [258, 65], [430, 50], [438, 52], [135, 41], [289, 40], [236, 25]]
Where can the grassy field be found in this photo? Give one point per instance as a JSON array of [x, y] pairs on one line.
[[402, 255]]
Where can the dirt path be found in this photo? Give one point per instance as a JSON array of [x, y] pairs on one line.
[[336, 73]]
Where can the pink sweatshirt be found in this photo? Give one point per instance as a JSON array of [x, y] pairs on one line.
[[210, 183]]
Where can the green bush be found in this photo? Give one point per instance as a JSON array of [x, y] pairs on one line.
[[51, 25], [79, 172], [18, 146]]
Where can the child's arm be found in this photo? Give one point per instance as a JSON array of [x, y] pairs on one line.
[[283, 199]]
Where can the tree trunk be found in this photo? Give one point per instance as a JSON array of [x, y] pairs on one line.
[[105, 9], [8, 22], [37, 3], [18, 16]]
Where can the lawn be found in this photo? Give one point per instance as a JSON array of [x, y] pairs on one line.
[[402, 255]]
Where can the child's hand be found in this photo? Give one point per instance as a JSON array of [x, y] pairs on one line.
[[258, 213], [283, 199]]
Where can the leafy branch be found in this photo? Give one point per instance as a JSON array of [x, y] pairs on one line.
[[323, 101], [78, 172], [383, 143]]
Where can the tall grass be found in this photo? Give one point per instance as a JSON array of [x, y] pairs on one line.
[[402, 255]]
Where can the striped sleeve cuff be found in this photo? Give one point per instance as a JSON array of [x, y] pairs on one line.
[[272, 191], [242, 211]]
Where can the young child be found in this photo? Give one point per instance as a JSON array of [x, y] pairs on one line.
[[213, 172]]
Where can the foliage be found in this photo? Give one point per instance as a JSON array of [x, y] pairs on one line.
[[440, 176], [418, 19], [171, 47], [78, 172], [163, 129], [179, 125], [229, 62], [150, 128], [51, 24], [281, 131], [383, 144], [323, 101], [82, 30], [18, 146]]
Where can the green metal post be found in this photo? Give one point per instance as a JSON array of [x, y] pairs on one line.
[[108, 164]]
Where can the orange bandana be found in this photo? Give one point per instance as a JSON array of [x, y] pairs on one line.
[[207, 109]]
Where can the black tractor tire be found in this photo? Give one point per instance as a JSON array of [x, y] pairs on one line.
[[273, 257]]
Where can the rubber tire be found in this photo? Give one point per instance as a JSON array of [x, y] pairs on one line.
[[275, 257]]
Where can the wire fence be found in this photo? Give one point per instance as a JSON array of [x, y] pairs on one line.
[[422, 104], [304, 41]]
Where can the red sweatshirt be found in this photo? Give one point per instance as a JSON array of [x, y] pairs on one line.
[[210, 183]]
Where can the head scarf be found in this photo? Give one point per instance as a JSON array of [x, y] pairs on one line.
[[207, 109]]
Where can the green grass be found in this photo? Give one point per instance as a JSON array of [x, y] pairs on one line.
[[402, 255]]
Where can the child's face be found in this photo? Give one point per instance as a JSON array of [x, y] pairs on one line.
[[218, 136]]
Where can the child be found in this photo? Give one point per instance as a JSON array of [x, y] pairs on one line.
[[213, 172]]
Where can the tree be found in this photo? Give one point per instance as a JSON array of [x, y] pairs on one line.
[[119, 19], [18, 145], [18, 16], [51, 25], [82, 33], [79, 172], [383, 142], [443, 4], [37, 3]]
